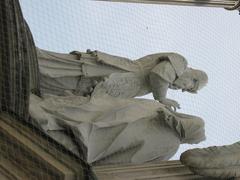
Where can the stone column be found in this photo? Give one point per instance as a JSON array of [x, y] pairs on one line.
[[17, 61]]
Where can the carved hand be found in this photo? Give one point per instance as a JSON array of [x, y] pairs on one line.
[[171, 104]]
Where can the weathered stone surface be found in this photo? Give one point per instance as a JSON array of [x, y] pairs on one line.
[[165, 170], [25, 151], [93, 95], [216, 161], [17, 61]]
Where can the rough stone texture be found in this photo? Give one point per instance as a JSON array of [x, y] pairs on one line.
[[165, 170], [17, 61], [25, 153], [18, 78], [217, 161]]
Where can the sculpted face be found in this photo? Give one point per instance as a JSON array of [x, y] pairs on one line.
[[191, 80], [186, 83]]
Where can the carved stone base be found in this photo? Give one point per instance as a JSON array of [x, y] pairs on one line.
[[26, 154], [168, 170]]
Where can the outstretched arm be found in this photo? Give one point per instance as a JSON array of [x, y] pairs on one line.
[[159, 90], [159, 86]]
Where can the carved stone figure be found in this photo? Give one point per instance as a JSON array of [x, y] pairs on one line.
[[92, 95], [217, 161], [80, 73]]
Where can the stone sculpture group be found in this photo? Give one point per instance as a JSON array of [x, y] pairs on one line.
[[87, 102], [93, 94]]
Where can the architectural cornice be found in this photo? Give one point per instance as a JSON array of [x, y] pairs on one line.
[[165, 170], [228, 4]]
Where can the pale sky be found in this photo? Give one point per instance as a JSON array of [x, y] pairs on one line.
[[208, 37]]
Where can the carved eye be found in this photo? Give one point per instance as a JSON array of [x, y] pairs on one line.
[[196, 84], [195, 80], [162, 58]]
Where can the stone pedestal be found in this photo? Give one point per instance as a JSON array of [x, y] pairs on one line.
[[25, 153], [165, 170]]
